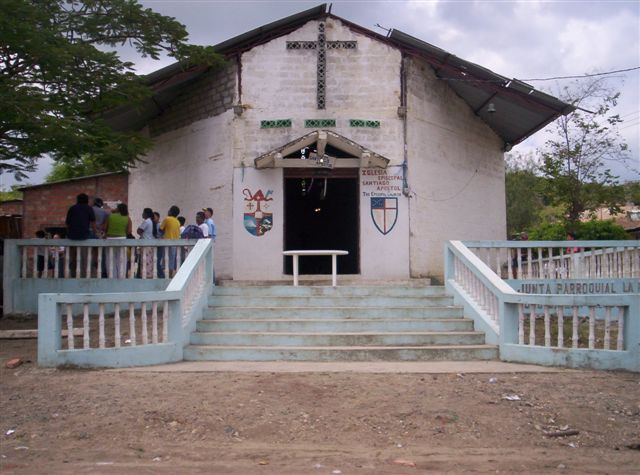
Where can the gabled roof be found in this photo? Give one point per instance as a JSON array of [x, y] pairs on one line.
[[167, 83], [520, 109]]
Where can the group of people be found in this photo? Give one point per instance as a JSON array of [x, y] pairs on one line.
[[96, 222], [90, 222]]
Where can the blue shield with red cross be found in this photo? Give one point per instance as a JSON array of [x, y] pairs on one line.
[[384, 212]]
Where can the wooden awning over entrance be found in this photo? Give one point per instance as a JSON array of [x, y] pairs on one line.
[[352, 155]]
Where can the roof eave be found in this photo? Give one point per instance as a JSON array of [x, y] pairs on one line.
[[57, 182], [242, 42], [449, 67]]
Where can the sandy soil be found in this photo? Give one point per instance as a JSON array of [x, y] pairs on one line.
[[105, 422]]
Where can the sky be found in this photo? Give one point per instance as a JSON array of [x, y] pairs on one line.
[[519, 39]]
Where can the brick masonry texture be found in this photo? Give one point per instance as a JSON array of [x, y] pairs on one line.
[[209, 96], [46, 205], [11, 207]]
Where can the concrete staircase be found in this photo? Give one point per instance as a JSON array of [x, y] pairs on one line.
[[350, 323]]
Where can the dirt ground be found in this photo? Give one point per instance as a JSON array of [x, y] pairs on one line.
[[107, 422]]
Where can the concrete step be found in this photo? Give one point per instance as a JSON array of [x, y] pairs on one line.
[[324, 280], [301, 291], [340, 353], [258, 312], [329, 301], [393, 322], [335, 325], [293, 338]]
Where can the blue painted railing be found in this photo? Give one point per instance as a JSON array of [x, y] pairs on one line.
[[130, 328], [604, 328], [35, 266]]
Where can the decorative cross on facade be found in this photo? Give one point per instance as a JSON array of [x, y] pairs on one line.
[[322, 45]]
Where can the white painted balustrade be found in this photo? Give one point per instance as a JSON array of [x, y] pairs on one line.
[[482, 294], [591, 326], [560, 259], [192, 289], [596, 330], [100, 259], [117, 325], [127, 328]]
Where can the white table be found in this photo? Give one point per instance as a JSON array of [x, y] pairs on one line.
[[332, 253]]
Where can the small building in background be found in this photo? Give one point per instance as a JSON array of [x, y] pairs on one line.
[[45, 206]]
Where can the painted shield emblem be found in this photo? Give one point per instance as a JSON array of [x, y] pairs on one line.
[[258, 223], [384, 212]]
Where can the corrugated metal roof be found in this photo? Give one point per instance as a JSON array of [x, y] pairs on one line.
[[521, 110]]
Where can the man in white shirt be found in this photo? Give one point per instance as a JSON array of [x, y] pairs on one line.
[[200, 217]]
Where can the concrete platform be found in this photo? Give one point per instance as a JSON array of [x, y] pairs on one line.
[[415, 367]]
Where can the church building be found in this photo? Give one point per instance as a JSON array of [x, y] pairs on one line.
[[321, 134]]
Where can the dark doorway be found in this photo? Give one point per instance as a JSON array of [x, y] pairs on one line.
[[321, 212]]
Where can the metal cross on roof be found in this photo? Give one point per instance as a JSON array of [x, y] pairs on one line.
[[322, 45]]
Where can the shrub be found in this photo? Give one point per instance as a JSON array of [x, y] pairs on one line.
[[598, 230], [594, 230]]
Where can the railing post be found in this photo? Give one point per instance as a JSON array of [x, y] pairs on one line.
[[210, 269], [49, 330], [10, 274], [508, 316], [448, 263], [176, 334], [632, 331]]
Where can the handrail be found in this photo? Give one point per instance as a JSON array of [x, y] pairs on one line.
[[158, 339], [543, 244], [507, 316], [104, 242], [34, 266], [560, 259]]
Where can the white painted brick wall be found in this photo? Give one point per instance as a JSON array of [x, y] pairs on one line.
[[456, 172], [209, 162], [191, 168], [281, 84]]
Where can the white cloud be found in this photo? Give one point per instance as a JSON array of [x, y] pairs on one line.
[[603, 43], [428, 8]]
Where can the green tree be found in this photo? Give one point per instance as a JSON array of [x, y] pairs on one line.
[[593, 230], [548, 232], [632, 191], [59, 73], [79, 167], [598, 230], [8, 195], [523, 198], [575, 161]]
